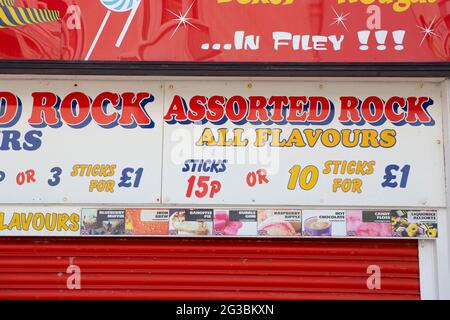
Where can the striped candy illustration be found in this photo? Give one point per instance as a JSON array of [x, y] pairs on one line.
[[6, 2], [120, 5], [11, 16]]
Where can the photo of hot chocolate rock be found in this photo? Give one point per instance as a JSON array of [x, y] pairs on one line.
[[324, 223], [279, 223], [414, 223]]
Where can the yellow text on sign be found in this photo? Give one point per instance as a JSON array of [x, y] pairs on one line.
[[307, 178], [346, 185], [397, 5], [102, 186]]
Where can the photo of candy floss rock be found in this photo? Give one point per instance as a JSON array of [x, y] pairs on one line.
[[245, 150], [359, 223]]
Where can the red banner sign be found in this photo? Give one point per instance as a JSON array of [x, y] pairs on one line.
[[226, 30]]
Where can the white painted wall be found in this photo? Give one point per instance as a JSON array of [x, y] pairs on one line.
[[434, 256], [443, 243]]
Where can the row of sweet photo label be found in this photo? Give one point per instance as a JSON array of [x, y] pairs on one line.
[[259, 222]]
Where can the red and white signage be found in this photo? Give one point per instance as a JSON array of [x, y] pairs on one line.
[[221, 142], [226, 30]]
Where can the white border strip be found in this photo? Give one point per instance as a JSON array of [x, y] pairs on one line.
[[427, 270], [442, 251]]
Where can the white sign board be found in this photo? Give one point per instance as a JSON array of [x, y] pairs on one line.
[[303, 143], [80, 141], [228, 143]]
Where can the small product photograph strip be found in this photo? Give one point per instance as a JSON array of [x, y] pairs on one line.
[[225, 222]]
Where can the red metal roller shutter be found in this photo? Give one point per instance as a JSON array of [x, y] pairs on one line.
[[207, 268]]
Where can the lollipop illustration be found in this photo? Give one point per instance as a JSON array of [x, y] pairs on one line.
[[116, 6]]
